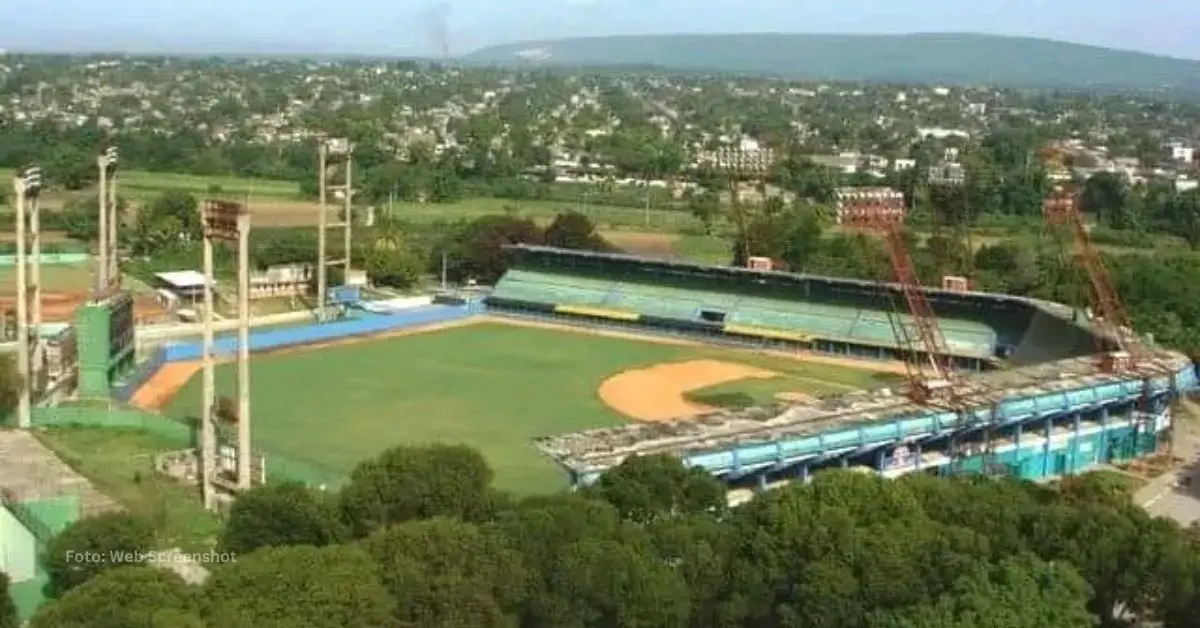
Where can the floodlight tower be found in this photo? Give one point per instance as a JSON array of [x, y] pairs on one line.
[[333, 152], [30, 357], [227, 223], [742, 165], [108, 273]]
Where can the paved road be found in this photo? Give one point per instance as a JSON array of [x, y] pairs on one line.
[[1177, 496]]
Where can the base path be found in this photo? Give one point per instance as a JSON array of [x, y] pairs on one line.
[[657, 393], [163, 384]]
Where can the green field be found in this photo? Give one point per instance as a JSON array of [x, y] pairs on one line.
[[139, 183], [794, 377], [56, 278], [491, 386]]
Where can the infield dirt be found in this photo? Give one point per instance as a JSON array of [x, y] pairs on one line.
[[657, 393]]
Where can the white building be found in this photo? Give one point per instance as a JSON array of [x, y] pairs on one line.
[[1179, 152]]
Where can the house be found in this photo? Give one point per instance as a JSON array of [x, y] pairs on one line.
[[1179, 152]]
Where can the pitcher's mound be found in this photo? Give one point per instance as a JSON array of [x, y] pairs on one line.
[[657, 393]]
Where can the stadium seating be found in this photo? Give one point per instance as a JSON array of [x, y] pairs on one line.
[[784, 314], [1049, 338]]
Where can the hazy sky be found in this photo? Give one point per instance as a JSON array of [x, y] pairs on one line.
[[406, 27]]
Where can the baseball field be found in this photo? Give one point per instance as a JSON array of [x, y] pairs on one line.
[[493, 385]]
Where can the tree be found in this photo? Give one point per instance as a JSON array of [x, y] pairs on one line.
[[170, 220], [394, 266], [299, 587], [1017, 593], [573, 230], [705, 206], [475, 250], [125, 597], [8, 610], [447, 573], [81, 219], [94, 545], [645, 488], [279, 514], [605, 582], [405, 483], [10, 385]]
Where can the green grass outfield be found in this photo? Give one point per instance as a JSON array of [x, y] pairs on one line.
[[489, 385]]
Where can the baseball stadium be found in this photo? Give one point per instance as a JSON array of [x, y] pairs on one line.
[[576, 360]]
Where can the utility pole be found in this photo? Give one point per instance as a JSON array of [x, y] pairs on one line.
[[27, 186]]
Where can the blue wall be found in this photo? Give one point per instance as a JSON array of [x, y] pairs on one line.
[[365, 324]]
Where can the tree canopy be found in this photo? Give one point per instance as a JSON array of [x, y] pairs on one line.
[[94, 545], [8, 609], [653, 545]]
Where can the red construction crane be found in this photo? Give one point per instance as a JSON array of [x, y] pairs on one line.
[[1061, 209], [932, 380]]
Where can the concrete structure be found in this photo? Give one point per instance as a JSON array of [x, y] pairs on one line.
[[226, 223], [331, 153], [857, 205], [30, 353], [1043, 404], [1179, 152], [108, 268]]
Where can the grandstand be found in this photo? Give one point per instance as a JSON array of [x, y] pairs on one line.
[[1039, 396], [840, 316]]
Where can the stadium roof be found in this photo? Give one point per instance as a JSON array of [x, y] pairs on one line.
[[737, 271], [603, 448]]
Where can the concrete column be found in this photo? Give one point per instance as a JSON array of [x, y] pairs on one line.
[[102, 231], [1046, 448], [114, 221], [23, 400], [322, 219], [34, 296], [349, 218], [208, 437], [243, 360]]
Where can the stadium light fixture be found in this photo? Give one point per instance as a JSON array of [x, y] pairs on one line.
[[30, 181]]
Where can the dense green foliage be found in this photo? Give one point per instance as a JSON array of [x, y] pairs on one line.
[[8, 610], [93, 546], [944, 58], [653, 545]]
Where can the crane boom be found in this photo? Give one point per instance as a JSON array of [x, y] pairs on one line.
[[1061, 208]]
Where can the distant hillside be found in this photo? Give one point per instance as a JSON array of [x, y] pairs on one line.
[[925, 58]]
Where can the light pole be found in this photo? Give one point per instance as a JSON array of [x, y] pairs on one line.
[[740, 165], [28, 185], [338, 150], [227, 223], [108, 272]]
